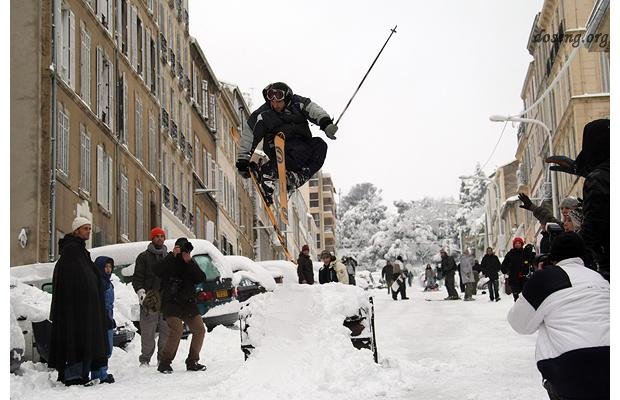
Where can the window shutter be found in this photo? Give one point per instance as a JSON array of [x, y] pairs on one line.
[[148, 57], [205, 99], [108, 17], [125, 109], [143, 61], [71, 51], [110, 184], [119, 24], [134, 37], [100, 181], [110, 99], [85, 64], [58, 34], [99, 81]]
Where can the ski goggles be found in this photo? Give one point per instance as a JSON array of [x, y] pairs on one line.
[[275, 94]]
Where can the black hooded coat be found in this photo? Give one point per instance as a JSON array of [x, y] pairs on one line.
[[79, 321], [593, 163]]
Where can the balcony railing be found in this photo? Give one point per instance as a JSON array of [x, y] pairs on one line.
[[182, 142], [191, 221], [173, 130], [189, 153], [163, 47], [166, 196], [183, 214], [172, 60], [164, 119], [180, 72], [175, 205]]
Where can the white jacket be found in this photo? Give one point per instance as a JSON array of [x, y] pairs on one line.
[[568, 304]]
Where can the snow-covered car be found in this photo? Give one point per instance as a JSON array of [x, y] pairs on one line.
[[249, 277], [308, 313], [17, 343], [284, 272], [216, 296], [31, 289]]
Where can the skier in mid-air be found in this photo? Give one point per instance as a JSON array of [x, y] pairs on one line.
[[288, 113]]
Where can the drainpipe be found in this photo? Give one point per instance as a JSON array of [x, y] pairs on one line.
[[53, 116], [117, 142]]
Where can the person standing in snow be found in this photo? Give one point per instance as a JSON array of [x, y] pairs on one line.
[[517, 264], [398, 276], [288, 113], [430, 280], [179, 274], [350, 263], [448, 268], [477, 268], [332, 269], [305, 273], [106, 265], [148, 286], [467, 274], [490, 268], [568, 304], [386, 273], [79, 340]]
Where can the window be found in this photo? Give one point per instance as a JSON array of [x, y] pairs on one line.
[[204, 99], [314, 183], [212, 115], [124, 207], [152, 145], [105, 88], [123, 109], [605, 71], [205, 167], [104, 12], [205, 263], [105, 189], [314, 196], [123, 26], [138, 128], [139, 216], [66, 39], [133, 40], [85, 65], [140, 47], [84, 160], [314, 203], [62, 141], [164, 172], [213, 174]]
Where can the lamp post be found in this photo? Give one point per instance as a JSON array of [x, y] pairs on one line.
[[503, 118]]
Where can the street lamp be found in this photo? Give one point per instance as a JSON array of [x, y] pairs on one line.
[[503, 118]]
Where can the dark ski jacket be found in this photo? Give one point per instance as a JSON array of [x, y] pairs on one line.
[[143, 276], [593, 163], [327, 274], [448, 264], [77, 312], [304, 269], [490, 266], [108, 289], [517, 264], [178, 279]]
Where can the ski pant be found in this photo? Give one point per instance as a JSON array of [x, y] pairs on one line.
[[150, 323], [300, 153], [470, 289], [476, 278], [102, 372], [449, 275], [196, 327], [402, 289], [493, 287]]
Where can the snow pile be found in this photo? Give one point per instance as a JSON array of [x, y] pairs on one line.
[[286, 269], [257, 273], [33, 272], [230, 307], [126, 305], [29, 302], [17, 337]]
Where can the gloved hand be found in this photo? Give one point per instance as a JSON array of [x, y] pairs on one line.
[[330, 131], [564, 164], [527, 203], [243, 166], [141, 295]]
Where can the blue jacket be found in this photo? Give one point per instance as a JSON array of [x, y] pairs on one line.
[[108, 288]]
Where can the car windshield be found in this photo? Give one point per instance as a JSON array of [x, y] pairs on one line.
[[206, 265]]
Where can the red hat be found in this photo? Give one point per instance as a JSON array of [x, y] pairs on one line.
[[157, 231], [518, 240], [305, 248]]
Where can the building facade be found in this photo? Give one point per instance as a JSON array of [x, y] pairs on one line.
[[322, 197]]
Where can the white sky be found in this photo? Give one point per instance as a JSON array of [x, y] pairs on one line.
[[421, 118]]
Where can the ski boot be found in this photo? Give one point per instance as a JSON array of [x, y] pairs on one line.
[[266, 182]]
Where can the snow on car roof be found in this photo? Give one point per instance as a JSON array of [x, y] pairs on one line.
[[33, 272], [29, 301], [260, 273], [287, 269]]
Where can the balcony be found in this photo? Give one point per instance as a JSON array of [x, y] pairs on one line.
[[182, 142], [188, 85], [191, 221], [164, 119], [183, 214], [166, 197], [163, 44], [175, 205], [173, 130], [189, 154], [180, 73], [179, 7], [172, 61]]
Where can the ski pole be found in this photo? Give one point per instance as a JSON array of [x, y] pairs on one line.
[[393, 31]]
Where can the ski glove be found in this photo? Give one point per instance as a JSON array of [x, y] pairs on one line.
[[527, 203], [243, 166], [564, 164], [330, 131], [141, 295]]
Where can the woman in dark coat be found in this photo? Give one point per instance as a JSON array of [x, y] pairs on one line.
[[79, 342], [305, 273], [517, 264]]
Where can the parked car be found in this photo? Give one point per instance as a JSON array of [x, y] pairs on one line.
[[249, 277], [31, 289], [216, 296]]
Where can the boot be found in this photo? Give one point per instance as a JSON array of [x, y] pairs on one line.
[[195, 366], [164, 368]]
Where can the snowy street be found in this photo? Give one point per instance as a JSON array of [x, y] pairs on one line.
[[427, 350]]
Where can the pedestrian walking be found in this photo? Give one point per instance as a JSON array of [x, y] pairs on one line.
[[448, 268], [430, 280], [386, 273], [467, 274], [477, 269], [490, 268], [568, 304], [79, 340], [516, 265], [305, 272], [398, 276], [179, 274], [147, 285]]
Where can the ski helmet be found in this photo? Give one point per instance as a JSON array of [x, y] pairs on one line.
[[278, 91]]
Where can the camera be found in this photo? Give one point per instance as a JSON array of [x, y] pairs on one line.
[[185, 245], [554, 230]]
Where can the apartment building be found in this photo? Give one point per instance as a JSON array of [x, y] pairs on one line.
[[580, 95], [85, 70], [322, 197]]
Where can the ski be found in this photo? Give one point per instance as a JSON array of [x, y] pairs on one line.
[[271, 216], [282, 192]]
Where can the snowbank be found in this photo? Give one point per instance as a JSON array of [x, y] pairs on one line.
[[30, 302], [17, 340], [286, 269], [257, 272], [231, 307]]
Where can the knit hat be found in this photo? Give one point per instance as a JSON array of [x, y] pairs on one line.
[[305, 247], [78, 222], [567, 245], [326, 253], [569, 202], [518, 240], [157, 231], [185, 245]]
